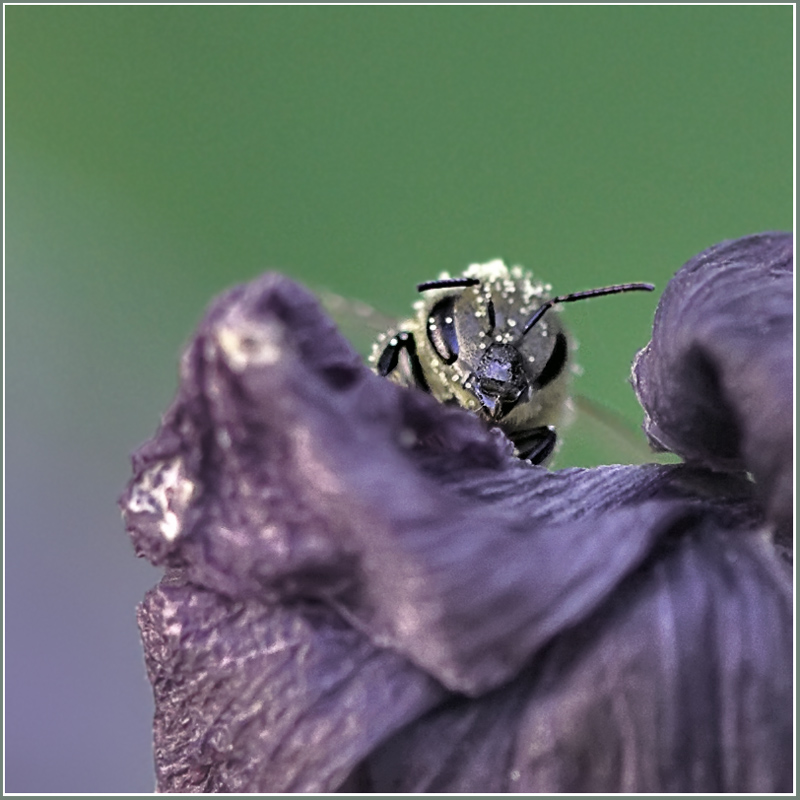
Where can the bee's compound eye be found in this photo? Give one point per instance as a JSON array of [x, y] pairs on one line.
[[555, 363], [490, 315], [441, 329]]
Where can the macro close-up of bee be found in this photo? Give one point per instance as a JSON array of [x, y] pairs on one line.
[[491, 341]]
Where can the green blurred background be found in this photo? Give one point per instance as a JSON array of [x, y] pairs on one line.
[[158, 154]]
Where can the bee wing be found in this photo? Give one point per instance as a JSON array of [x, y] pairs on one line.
[[359, 322], [596, 435]]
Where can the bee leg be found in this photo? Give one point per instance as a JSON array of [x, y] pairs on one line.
[[390, 357], [536, 445]]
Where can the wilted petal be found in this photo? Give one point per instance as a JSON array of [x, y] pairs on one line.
[[256, 698], [681, 682], [716, 379], [337, 544]]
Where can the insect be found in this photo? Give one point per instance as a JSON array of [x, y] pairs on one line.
[[490, 341]]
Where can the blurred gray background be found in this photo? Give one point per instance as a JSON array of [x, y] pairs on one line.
[[157, 155]]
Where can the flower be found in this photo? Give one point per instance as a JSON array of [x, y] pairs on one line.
[[365, 591]]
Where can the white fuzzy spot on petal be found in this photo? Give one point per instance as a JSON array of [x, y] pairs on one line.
[[165, 491], [250, 344]]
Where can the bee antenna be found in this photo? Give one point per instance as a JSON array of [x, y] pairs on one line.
[[571, 298], [447, 283]]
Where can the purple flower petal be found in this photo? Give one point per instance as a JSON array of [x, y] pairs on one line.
[[366, 591], [716, 379], [252, 697], [660, 690]]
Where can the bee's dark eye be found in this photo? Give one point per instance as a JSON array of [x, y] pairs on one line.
[[555, 364], [490, 315], [442, 330]]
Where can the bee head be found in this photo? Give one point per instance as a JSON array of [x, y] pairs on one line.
[[500, 381]]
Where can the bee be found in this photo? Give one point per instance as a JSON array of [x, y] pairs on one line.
[[490, 341]]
